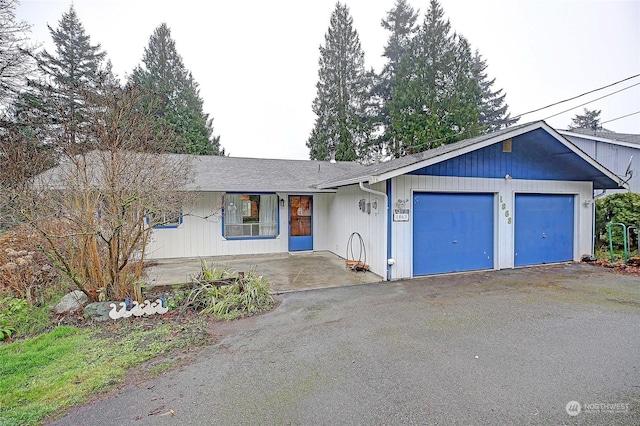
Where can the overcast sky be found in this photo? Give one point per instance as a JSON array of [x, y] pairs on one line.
[[257, 61]]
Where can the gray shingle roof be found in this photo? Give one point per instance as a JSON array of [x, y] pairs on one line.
[[608, 134], [215, 173]]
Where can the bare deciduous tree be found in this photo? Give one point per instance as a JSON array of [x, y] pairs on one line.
[[96, 210]]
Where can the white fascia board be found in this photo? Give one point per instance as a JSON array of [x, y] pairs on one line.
[[599, 139], [262, 190]]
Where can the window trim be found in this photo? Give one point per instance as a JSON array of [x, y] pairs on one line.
[[250, 237], [172, 225]]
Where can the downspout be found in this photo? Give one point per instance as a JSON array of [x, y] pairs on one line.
[[386, 214]]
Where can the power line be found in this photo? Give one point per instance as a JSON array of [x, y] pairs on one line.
[[579, 96], [618, 118], [474, 129], [596, 99]]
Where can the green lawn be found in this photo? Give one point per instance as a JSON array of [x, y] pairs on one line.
[[55, 371]]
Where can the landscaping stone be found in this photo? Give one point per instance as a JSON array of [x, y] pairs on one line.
[[98, 311], [71, 302]]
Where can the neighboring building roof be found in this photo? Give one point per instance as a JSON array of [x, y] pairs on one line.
[[627, 139], [232, 174], [383, 171]]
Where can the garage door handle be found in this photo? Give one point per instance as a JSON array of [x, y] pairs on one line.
[[455, 241], [544, 235]]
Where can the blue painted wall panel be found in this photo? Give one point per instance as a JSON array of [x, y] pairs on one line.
[[452, 232], [535, 155], [543, 228]]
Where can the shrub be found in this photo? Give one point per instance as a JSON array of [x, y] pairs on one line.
[[19, 319], [618, 208], [25, 271], [229, 295]]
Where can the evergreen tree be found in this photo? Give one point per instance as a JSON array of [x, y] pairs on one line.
[[401, 23], [494, 114], [588, 120], [435, 99], [174, 96], [75, 70], [342, 123], [16, 62]]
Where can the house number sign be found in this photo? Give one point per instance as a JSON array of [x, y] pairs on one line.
[[401, 215]]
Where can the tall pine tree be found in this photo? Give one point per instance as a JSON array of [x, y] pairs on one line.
[[76, 69], [173, 94], [494, 112], [16, 63], [342, 123], [401, 24], [435, 98]]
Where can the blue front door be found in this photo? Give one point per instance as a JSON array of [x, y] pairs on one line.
[[300, 222], [543, 229], [452, 232]]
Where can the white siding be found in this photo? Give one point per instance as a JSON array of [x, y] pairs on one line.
[[612, 156], [344, 217], [200, 234], [404, 186]]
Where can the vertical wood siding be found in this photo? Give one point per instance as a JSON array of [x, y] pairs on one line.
[[613, 157], [344, 217], [201, 231]]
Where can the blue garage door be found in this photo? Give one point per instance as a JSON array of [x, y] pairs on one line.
[[452, 232], [543, 229]]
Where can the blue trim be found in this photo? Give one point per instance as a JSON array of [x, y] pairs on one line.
[[251, 238], [258, 237], [389, 224]]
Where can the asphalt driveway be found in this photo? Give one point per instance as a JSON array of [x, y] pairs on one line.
[[504, 347]]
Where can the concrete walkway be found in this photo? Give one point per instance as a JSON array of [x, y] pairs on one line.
[[286, 272]]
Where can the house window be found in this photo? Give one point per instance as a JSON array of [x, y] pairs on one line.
[[250, 215], [166, 219]]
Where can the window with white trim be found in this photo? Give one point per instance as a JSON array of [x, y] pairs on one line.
[[250, 215]]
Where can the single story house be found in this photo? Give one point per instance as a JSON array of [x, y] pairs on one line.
[[618, 152], [519, 196]]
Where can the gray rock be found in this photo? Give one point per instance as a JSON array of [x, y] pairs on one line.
[[71, 302], [98, 311]]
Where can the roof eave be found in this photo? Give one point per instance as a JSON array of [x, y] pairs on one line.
[[599, 139]]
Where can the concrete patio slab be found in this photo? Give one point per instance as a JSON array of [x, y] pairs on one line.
[[286, 272]]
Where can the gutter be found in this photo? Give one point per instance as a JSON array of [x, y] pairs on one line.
[[386, 235]]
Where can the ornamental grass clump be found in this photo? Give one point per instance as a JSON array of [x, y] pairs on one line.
[[229, 295]]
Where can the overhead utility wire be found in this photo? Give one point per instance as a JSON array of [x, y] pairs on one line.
[[579, 96], [618, 118], [536, 110], [596, 99]]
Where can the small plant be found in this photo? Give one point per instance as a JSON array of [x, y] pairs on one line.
[[229, 295], [19, 319], [6, 329]]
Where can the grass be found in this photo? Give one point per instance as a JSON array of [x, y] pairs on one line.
[[54, 371]]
